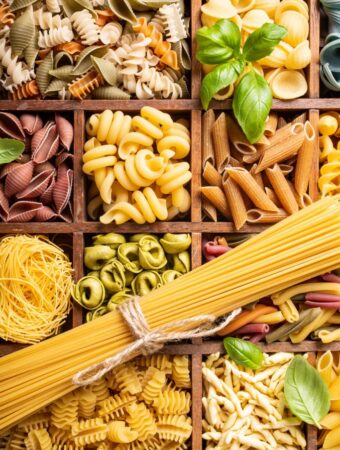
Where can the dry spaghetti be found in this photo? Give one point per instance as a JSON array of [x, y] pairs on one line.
[[35, 284]]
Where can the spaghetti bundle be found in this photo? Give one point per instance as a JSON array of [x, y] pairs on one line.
[[302, 246], [35, 286]]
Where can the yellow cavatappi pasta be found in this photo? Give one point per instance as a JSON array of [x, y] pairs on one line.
[[329, 178], [135, 165]]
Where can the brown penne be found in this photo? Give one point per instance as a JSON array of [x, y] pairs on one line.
[[305, 159], [247, 183], [271, 124], [211, 176], [303, 200], [281, 122], [257, 176], [235, 201], [273, 197], [207, 142], [286, 169], [221, 142], [238, 138], [209, 210], [300, 119], [282, 189], [291, 141], [216, 196], [259, 216]]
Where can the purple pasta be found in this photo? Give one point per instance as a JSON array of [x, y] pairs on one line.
[[211, 250], [331, 278], [323, 304], [251, 328], [320, 297]]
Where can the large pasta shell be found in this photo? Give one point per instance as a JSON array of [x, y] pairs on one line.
[[62, 157], [44, 167], [55, 86], [123, 10], [62, 59], [71, 6], [110, 93], [106, 68], [10, 126], [63, 188], [23, 211], [67, 214], [297, 26], [299, 57], [18, 179], [289, 84], [64, 73], [84, 62], [31, 123], [44, 214], [47, 197], [8, 168], [21, 4], [32, 50], [43, 76], [4, 205], [45, 143], [183, 54], [22, 32], [36, 187], [65, 131]]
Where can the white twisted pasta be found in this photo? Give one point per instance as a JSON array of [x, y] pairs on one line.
[[110, 33], [55, 36], [173, 22], [152, 82], [45, 20], [85, 26], [17, 72], [53, 6]]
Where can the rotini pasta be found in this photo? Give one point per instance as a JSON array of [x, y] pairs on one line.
[[86, 27]]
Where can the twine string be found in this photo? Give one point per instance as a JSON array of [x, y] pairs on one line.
[[149, 341]]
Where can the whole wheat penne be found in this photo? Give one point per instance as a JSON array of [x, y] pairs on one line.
[[235, 201], [233, 162], [209, 210], [282, 189], [207, 142], [247, 183], [305, 159], [271, 124], [216, 196], [221, 142], [292, 140], [211, 176], [251, 159], [259, 216], [300, 119], [273, 197], [303, 200], [238, 138], [257, 176], [286, 168], [281, 122]]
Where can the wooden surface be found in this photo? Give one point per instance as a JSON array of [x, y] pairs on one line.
[[190, 108]]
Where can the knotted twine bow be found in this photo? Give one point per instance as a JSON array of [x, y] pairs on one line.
[[150, 341]]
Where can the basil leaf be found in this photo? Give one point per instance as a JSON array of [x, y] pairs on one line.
[[243, 352], [10, 149], [221, 77], [251, 104], [262, 42], [218, 43], [305, 392]]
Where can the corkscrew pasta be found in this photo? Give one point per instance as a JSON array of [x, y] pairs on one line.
[[289, 57], [136, 406], [329, 179], [94, 50], [135, 166]]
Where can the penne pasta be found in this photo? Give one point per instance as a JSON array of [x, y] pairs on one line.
[[281, 122], [325, 367], [282, 189], [291, 140], [238, 139], [257, 176], [327, 336], [273, 197], [305, 160], [221, 142], [207, 142], [216, 196], [235, 201], [211, 175], [271, 124], [259, 216], [209, 210], [247, 183]]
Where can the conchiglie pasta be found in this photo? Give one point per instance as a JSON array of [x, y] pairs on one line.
[[289, 84], [296, 25], [254, 19], [299, 57]]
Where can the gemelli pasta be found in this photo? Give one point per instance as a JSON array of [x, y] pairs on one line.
[[135, 166]]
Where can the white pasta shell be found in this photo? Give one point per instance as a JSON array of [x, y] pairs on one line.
[[297, 27], [267, 5], [292, 5], [245, 5], [219, 9], [278, 56], [254, 19], [299, 57], [271, 74], [289, 84]]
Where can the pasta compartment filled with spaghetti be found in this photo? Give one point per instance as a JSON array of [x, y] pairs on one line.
[[118, 267], [36, 167], [258, 184], [137, 166], [142, 404], [113, 50], [36, 278], [245, 408], [306, 312]]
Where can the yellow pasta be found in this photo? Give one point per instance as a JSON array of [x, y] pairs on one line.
[[325, 367]]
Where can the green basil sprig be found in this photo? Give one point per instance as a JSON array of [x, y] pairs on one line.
[[243, 352], [305, 392], [221, 45], [10, 150]]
